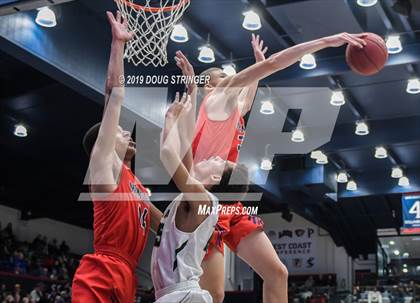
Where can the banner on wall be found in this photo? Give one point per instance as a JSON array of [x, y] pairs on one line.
[[296, 248], [411, 213]]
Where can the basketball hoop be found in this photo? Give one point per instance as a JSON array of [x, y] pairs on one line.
[[152, 24]]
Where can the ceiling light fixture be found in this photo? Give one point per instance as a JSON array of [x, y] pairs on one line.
[[252, 21], [46, 17], [366, 3], [393, 44], [342, 177], [351, 185], [397, 172], [179, 34], [20, 131], [315, 154], [206, 54], [267, 108], [307, 62], [298, 136], [404, 181], [319, 156], [362, 129], [337, 98], [413, 86], [381, 152], [266, 164], [323, 159]]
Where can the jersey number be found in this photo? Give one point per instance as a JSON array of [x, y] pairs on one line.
[[415, 209]]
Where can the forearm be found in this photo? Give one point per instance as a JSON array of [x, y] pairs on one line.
[[186, 128], [291, 55], [192, 92], [115, 68], [105, 143], [156, 216], [171, 159], [170, 146], [172, 163], [176, 169], [273, 64], [188, 159]]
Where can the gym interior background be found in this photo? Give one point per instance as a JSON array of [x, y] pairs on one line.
[[344, 241]]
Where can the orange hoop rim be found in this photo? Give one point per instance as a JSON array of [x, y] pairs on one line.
[[139, 7]]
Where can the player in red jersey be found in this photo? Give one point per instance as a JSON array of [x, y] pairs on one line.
[[122, 212], [219, 132]]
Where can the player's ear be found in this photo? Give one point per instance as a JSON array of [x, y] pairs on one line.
[[211, 180], [215, 178]]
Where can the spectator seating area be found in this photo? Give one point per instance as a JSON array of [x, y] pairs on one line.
[[401, 293], [37, 271]]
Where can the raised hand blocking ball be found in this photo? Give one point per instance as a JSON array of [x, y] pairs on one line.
[[370, 59]]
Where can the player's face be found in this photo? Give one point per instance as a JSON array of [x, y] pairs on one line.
[[216, 77], [124, 145]]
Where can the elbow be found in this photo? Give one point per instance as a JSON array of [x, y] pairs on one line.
[[166, 149], [164, 153]]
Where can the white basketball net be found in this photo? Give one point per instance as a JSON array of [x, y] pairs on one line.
[[152, 28]]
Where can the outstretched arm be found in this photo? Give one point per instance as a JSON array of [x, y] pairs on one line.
[[194, 193], [120, 35], [247, 96], [170, 154], [186, 126], [102, 157], [284, 59]]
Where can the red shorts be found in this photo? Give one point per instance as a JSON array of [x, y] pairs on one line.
[[231, 228], [103, 279]]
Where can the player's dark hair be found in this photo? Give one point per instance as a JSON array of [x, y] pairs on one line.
[[241, 185], [90, 137]]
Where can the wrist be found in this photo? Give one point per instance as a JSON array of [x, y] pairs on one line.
[[191, 87], [117, 42], [325, 41]]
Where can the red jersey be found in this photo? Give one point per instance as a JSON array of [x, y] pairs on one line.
[[122, 220], [218, 138], [121, 226]]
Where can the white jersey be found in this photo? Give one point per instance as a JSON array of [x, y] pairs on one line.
[[177, 255]]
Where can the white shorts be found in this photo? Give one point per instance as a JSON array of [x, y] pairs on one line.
[[185, 293], [187, 296]]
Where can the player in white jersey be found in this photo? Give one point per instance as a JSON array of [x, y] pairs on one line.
[[177, 256], [184, 232]]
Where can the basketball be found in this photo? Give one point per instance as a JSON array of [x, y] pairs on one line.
[[370, 59]]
